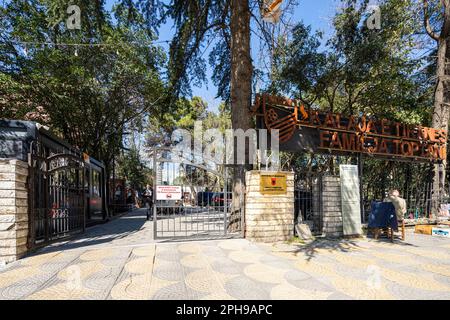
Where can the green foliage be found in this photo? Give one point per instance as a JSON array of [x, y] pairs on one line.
[[361, 70], [88, 94], [131, 167], [186, 113], [199, 22], [377, 72]]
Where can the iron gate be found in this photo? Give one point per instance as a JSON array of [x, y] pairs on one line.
[[57, 187], [192, 200]]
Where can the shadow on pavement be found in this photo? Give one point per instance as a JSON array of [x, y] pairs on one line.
[[119, 228], [311, 249]]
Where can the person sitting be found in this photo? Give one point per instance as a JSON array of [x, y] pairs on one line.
[[398, 202], [400, 208]]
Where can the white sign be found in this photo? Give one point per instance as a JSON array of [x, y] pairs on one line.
[[351, 201], [168, 193]]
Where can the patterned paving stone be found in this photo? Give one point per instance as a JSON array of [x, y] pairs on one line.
[[39, 259], [62, 292], [171, 271], [172, 292], [221, 296], [356, 273], [207, 280], [115, 261], [119, 260], [265, 273], [52, 266], [444, 280], [102, 279], [214, 252], [168, 255], [232, 245], [21, 289], [15, 275], [275, 262], [414, 280], [245, 257], [361, 290], [296, 275], [80, 270], [404, 292], [310, 283], [138, 287], [226, 266], [286, 291], [339, 296], [140, 265], [194, 261], [191, 248], [243, 288], [145, 251]]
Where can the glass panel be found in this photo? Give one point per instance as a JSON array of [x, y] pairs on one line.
[[96, 190]]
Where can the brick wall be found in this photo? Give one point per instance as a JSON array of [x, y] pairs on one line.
[[13, 210], [268, 218]]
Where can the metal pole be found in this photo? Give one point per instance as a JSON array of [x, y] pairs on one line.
[[155, 177], [83, 172], [361, 189], [242, 207], [225, 201], [31, 197], [47, 205], [113, 211]]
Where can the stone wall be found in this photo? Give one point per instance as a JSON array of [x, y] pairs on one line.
[[13, 210], [268, 218], [327, 206]]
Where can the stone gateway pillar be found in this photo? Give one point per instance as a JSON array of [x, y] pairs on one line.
[[269, 206], [13, 210]]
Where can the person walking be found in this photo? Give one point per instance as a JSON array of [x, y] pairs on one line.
[[148, 199]]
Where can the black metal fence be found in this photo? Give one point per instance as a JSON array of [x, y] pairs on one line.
[[414, 181], [57, 189], [303, 204]]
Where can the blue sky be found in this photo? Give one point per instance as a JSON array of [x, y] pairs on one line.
[[317, 13]]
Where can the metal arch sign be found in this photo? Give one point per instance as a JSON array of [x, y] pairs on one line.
[[320, 132]]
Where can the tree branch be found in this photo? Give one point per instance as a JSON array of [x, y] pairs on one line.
[[426, 21]]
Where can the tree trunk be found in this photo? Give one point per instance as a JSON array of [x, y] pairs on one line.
[[241, 91], [441, 112], [440, 116]]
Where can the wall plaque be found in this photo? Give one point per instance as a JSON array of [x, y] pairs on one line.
[[273, 183]]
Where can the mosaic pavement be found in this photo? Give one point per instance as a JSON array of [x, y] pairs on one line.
[[120, 261]]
